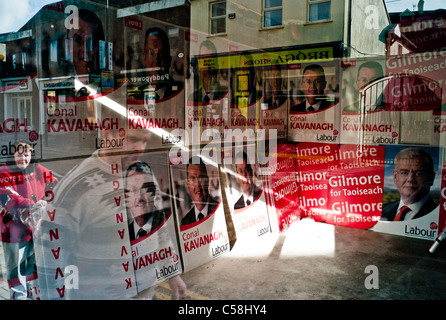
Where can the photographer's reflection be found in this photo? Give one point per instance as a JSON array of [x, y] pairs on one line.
[[24, 191]]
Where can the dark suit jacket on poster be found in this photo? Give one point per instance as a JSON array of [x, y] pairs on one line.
[[158, 218], [190, 216], [241, 203], [390, 209], [301, 107], [218, 93], [281, 99]]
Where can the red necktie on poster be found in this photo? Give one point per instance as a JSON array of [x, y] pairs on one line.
[[401, 213]]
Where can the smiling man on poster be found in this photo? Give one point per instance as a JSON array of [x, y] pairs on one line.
[[413, 175]]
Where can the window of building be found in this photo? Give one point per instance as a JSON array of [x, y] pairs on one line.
[[218, 17], [272, 13], [319, 10]]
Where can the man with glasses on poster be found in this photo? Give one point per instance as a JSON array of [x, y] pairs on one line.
[[313, 86], [413, 176]]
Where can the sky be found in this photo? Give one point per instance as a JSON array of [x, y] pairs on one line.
[[15, 13]]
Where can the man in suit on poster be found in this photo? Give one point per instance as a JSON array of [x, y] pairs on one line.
[[313, 86], [209, 87], [413, 176], [85, 51], [244, 177], [368, 72], [157, 61], [143, 200], [198, 188]]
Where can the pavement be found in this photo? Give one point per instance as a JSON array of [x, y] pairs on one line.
[[318, 261]]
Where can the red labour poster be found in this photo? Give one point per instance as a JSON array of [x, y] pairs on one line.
[[314, 162], [283, 189], [355, 186]]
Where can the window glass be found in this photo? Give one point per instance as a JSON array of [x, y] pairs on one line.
[[273, 3], [320, 11], [273, 18], [218, 18]]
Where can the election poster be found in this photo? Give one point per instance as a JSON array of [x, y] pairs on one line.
[[275, 102], [415, 88], [355, 186], [314, 113], [151, 222], [207, 103], [365, 116], [155, 87], [200, 216], [314, 162], [412, 191], [245, 192], [281, 187], [245, 87]]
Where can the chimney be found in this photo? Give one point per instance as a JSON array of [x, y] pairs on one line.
[[420, 6]]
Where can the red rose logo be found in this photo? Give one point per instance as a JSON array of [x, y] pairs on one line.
[[394, 134], [434, 226], [175, 258], [121, 132], [33, 136], [335, 132]]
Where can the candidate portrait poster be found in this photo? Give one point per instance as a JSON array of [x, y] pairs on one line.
[[151, 223], [200, 216], [155, 86], [245, 192], [207, 103], [364, 116], [413, 178], [415, 87], [275, 101], [314, 112]]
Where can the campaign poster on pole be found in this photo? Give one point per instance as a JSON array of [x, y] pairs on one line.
[[365, 117], [281, 187], [412, 189], [314, 161], [245, 192], [356, 186], [200, 216], [314, 114], [155, 89], [151, 222]]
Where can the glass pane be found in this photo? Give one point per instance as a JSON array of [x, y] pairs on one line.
[[218, 26], [218, 9], [273, 18], [28, 109], [273, 3], [320, 11], [22, 112]]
